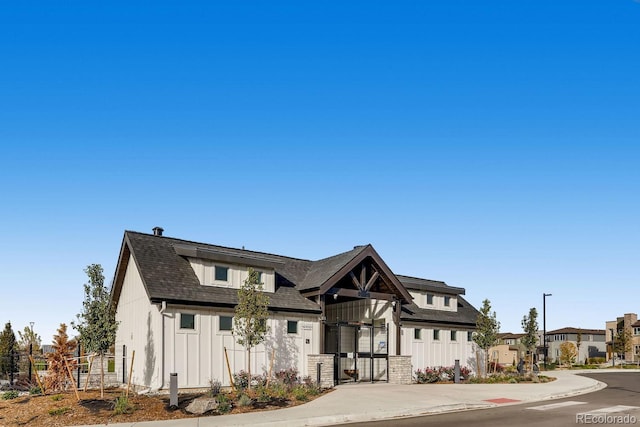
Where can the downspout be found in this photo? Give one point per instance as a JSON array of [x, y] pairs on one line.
[[163, 307]]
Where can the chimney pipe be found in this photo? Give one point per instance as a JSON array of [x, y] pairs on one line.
[[157, 231]]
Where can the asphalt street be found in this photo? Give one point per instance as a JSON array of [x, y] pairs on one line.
[[618, 404]]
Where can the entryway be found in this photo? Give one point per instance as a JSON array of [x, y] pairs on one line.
[[361, 351]]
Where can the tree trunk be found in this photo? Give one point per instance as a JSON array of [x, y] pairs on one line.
[[249, 369], [101, 375]]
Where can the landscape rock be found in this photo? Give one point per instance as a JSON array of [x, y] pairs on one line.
[[202, 405]]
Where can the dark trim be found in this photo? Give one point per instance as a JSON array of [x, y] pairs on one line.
[[230, 305], [438, 322], [388, 275], [227, 256]]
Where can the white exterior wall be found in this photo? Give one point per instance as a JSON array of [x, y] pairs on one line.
[[427, 352], [139, 329], [420, 299], [197, 356], [237, 274]]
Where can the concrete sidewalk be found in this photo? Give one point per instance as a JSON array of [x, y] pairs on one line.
[[372, 402]]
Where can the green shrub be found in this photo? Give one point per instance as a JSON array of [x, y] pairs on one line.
[[11, 394], [263, 394], [35, 390], [300, 393], [214, 388], [279, 390], [244, 400], [57, 397], [122, 405], [224, 403], [59, 411]]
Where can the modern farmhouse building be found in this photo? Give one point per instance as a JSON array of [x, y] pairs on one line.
[[175, 304]]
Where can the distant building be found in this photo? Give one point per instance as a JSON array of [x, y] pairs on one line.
[[629, 322], [592, 343], [509, 350]]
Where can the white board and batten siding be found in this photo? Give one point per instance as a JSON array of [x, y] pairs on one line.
[[139, 323], [197, 355], [426, 351]]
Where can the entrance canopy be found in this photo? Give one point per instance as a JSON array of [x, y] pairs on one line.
[[360, 273]]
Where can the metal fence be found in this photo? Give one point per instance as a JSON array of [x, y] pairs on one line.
[[20, 368]]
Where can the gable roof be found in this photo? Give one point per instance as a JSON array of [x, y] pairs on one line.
[[167, 275], [322, 270]]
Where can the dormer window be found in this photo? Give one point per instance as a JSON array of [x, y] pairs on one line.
[[430, 299], [221, 273], [447, 301]]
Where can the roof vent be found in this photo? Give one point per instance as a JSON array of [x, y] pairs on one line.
[[157, 231]]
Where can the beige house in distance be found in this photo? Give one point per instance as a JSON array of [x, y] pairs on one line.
[[509, 351], [628, 322]]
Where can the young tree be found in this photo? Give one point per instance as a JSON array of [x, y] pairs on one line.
[[530, 328], [623, 342], [8, 347], [29, 342], [250, 322], [578, 343], [28, 338], [63, 348], [568, 353], [487, 329], [97, 324]]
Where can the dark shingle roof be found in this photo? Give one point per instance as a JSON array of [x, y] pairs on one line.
[[322, 270], [466, 315], [169, 277], [428, 285]]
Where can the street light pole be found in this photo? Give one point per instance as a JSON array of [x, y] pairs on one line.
[[544, 326], [613, 348]]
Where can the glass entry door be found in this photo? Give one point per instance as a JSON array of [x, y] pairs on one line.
[[361, 352]]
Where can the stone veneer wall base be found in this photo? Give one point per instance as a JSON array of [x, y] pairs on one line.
[[400, 370], [326, 369]]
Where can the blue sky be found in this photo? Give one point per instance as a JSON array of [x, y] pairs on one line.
[[493, 145]]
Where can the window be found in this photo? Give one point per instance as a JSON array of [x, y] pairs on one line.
[[637, 350], [636, 331], [292, 326], [454, 335], [221, 273], [259, 273], [470, 336], [417, 334], [187, 321], [447, 301], [430, 299], [436, 334], [226, 323]]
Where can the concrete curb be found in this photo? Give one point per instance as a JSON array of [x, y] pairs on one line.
[[330, 420]]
